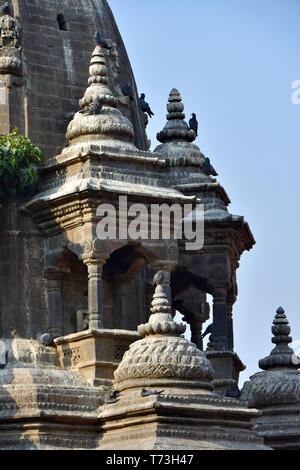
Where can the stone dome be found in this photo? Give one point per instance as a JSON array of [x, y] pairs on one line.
[[164, 357]]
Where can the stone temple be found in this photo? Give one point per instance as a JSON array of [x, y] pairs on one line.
[[90, 354]]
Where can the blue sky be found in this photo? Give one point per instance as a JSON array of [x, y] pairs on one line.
[[234, 62]]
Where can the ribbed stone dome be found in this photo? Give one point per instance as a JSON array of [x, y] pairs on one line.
[[163, 357]]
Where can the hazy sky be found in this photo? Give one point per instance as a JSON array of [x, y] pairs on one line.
[[234, 62]]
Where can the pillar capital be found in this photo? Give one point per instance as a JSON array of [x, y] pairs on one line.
[[53, 273], [95, 252], [167, 265]]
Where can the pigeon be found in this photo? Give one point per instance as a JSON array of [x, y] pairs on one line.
[[209, 330], [194, 124], [149, 393], [159, 278], [100, 41], [233, 392], [127, 90], [112, 398], [47, 339], [208, 168], [93, 108], [145, 106], [5, 9]]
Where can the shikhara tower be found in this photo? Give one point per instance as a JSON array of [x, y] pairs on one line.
[[57, 277]]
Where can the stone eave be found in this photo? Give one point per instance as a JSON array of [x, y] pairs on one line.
[[237, 223], [96, 334], [104, 187], [102, 153], [170, 405], [212, 186]]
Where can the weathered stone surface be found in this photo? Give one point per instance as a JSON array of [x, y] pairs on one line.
[[94, 354], [55, 64], [39, 402]]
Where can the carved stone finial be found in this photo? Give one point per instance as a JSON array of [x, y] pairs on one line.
[[177, 137], [282, 354], [10, 42], [176, 128], [161, 321], [100, 119]]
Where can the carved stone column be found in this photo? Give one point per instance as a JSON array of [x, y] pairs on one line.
[[94, 258], [54, 278], [95, 292], [230, 327], [220, 334]]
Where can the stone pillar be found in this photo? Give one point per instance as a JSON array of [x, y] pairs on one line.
[[230, 327], [54, 278], [220, 334], [196, 330], [95, 293]]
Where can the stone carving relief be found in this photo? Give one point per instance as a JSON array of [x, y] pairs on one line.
[[10, 44]]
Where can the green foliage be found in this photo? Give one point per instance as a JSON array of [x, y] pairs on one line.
[[19, 161]]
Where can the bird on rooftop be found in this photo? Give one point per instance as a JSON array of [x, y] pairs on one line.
[[5, 9], [93, 108], [233, 392], [194, 124], [47, 339], [208, 168], [145, 106], [100, 41], [209, 330], [149, 393], [127, 90]]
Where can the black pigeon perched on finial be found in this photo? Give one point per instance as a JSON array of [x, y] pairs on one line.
[[5, 9], [93, 108], [149, 393], [194, 124], [208, 168], [209, 330], [100, 41], [145, 106], [127, 90]]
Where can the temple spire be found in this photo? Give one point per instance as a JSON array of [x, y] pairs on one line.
[[100, 119], [176, 127], [282, 354]]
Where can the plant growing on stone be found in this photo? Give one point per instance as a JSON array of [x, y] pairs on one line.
[[19, 162]]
